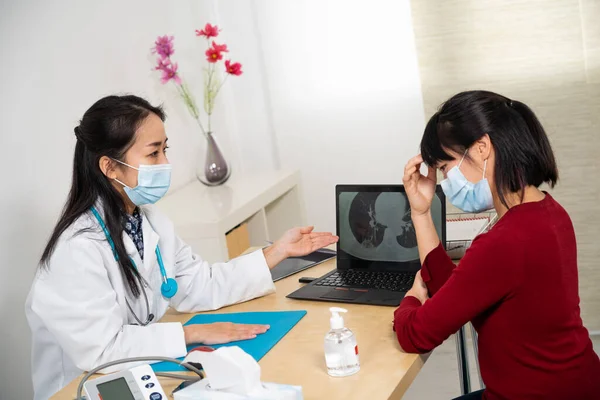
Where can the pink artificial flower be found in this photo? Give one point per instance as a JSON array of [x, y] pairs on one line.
[[170, 73], [233, 69], [220, 47], [162, 64], [214, 53], [164, 46], [208, 31]]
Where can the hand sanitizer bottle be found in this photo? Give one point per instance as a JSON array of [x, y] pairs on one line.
[[341, 351]]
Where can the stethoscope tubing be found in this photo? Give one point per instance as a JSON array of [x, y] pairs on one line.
[[168, 287]]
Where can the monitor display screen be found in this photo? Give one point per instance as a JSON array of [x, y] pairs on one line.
[[117, 389], [375, 226]]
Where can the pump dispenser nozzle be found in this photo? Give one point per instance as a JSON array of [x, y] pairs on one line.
[[336, 320]]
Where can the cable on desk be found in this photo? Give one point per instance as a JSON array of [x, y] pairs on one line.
[[178, 376]]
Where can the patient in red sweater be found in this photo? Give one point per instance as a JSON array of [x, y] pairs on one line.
[[518, 283]]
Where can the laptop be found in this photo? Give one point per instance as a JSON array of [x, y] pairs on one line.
[[377, 254]]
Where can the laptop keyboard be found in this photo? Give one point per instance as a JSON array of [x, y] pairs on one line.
[[395, 281]]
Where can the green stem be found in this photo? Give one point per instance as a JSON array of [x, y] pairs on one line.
[[211, 71], [189, 101], [201, 127], [221, 85]]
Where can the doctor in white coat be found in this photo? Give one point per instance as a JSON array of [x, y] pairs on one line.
[[114, 264]]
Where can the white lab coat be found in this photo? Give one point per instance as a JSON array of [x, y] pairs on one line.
[[77, 312]]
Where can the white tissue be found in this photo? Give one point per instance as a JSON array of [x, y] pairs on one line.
[[231, 373], [229, 368]]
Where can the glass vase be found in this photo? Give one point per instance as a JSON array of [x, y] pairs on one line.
[[213, 169]]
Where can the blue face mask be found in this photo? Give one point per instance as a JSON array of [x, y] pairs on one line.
[[153, 183], [469, 197]]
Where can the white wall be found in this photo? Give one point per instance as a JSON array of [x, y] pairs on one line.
[[331, 88], [345, 92]]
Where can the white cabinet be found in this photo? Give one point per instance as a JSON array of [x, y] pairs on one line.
[[269, 202]]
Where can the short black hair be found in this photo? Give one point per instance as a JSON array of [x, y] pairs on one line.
[[523, 153]]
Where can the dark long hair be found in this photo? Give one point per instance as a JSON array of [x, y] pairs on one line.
[[523, 153], [107, 129]]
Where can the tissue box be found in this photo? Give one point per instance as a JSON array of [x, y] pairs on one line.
[[271, 391], [232, 374]]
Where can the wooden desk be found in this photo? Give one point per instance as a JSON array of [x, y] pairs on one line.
[[298, 359]]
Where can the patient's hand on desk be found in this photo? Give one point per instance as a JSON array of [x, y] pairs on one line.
[[419, 289], [297, 242], [221, 332]]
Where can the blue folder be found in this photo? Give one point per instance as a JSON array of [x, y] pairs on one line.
[[281, 323]]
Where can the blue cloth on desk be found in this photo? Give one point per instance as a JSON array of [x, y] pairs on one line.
[[281, 323]]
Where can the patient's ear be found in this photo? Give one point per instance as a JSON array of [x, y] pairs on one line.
[[483, 148]]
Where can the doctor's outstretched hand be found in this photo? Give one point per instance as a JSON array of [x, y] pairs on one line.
[[297, 242], [420, 189]]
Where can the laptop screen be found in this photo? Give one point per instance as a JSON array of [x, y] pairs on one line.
[[375, 227]]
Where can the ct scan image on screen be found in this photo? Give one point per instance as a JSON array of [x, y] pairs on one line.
[[377, 226]]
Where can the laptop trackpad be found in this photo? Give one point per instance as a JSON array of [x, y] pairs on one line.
[[342, 294]]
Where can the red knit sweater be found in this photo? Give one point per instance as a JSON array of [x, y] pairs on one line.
[[517, 284]]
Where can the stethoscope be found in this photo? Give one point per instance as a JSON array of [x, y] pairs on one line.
[[168, 287]]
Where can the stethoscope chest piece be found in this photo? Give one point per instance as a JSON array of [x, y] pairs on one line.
[[168, 288]]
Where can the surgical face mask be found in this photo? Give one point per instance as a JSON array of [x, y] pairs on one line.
[[153, 183], [469, 197]]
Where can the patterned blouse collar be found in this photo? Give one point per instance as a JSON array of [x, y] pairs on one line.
[[132, 224]]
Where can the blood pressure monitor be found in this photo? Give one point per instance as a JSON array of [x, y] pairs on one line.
[[138, 383]]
